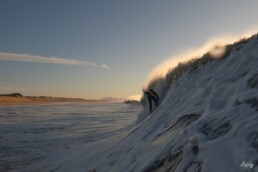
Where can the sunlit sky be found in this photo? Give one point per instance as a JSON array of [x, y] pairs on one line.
[[101, 48]]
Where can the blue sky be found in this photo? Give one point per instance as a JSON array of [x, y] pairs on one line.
[[70, 43]]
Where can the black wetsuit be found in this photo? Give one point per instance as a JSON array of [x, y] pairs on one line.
[[153, 97]]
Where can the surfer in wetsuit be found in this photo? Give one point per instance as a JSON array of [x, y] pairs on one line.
[[152, 95]]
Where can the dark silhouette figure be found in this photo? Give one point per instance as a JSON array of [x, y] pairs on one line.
[[152, 95]]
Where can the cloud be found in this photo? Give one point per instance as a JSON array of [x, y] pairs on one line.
[[52, 60], [105, 66]]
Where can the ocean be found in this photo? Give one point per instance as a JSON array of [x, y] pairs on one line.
[[31, 133]]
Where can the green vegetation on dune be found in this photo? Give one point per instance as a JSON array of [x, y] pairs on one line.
[[12, 95]]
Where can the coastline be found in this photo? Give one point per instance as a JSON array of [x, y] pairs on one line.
[[29, 100]]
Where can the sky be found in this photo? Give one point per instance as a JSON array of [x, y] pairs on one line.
[[101, 48]]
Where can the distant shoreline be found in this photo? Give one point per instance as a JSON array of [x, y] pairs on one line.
[[19, 99]]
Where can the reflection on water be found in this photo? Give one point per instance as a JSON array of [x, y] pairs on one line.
[[30, 133]]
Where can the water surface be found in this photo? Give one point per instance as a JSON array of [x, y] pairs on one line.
[[30, 133]]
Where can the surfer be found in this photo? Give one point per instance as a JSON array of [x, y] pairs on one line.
[[152, 96]]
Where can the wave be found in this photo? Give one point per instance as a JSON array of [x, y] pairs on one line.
[[162, 76]]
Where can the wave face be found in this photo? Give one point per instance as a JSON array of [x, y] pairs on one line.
[[207, 121]]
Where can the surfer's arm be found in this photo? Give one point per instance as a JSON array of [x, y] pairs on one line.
[[157, 96]]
